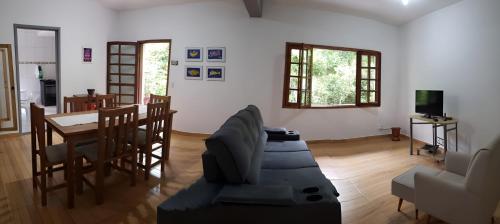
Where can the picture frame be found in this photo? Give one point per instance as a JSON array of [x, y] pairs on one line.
[[216, 54], [86, 55], [194, 54], [216, 73], [193, 72]]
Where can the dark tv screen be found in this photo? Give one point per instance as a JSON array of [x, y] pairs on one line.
[[429, 102]]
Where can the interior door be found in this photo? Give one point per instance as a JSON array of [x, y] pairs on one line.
[[8, 115], [122, 71]]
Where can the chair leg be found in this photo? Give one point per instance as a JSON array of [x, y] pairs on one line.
[[34, 169], [163, 158], [51, 172], [133, 174], [147, 166], [416, 213], [79, 175], [65, 173], [141, 157], [99, 183], [492, 219], [399, 204], [43, 188], [107, 169], [429, 217]]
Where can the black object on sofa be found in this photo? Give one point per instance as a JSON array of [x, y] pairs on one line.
[[248, 179]]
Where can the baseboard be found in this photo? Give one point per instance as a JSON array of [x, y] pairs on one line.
[[10, 135], [388, 136], [190, 134]]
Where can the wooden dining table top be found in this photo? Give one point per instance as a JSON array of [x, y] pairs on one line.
[[83, 128]]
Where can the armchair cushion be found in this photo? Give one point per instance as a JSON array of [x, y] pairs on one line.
[[403, 186], [457, 162]]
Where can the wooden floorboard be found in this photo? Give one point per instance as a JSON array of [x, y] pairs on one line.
[[360, 169]]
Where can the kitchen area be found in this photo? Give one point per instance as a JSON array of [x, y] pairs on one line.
[[37, 63]]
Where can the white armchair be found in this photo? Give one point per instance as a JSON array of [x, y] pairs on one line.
[[467, 191]]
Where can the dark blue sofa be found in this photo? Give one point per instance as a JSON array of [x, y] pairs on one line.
[[251, 178]]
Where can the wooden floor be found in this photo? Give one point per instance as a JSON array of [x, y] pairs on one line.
[[360, 169]]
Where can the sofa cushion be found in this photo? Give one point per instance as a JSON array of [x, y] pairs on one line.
[[256, 195], [250, 123], [256, 164], [299, 179], [256, 115], [288, 160], [233, 148], [286, 146], [403, 186]]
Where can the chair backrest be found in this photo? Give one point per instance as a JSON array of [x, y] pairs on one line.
[[158, 99], [483, 177], [75, 104], [106, 101], [157, 122], [115, 128], [38, 131]]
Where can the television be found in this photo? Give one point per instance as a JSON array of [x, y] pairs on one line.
[[429, 102]]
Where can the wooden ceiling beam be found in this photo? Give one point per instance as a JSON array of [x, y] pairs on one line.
[[254, 7]]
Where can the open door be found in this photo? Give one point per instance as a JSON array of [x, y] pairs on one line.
[[122, 72], [8, 114]]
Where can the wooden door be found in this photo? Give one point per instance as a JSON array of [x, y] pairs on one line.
[[122, 78]]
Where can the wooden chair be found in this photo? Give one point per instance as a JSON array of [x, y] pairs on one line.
[[154, 135], [115, 128], [158, 99], [106, 101], [75, 104], [50, 156]]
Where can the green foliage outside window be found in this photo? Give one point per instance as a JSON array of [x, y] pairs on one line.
[[155, 69]]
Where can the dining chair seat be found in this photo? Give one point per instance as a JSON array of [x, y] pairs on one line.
[[141, 137], [89, 151], [56, 153]]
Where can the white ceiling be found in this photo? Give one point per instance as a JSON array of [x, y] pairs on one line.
[[387, 11]]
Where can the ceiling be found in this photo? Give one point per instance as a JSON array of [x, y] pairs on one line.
[[387, 11]]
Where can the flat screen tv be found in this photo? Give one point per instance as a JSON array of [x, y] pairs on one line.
[[429, 102]]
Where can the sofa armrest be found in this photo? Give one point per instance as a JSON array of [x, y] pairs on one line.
[[256, 195], [278, 131], [457, 162], [442, 198]]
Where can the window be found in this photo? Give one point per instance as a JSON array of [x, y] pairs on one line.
[[330, 77]]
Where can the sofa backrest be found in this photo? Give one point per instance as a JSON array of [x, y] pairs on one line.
[[483, 176], [237, 147]]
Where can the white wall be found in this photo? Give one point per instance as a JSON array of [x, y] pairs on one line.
[[255, 63], [82, 22], [457, 50]]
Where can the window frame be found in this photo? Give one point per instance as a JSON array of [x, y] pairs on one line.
[[359, 52]]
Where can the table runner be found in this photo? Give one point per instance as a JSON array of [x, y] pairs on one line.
[[78, 119]]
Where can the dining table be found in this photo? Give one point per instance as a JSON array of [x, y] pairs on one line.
[[80, 127]]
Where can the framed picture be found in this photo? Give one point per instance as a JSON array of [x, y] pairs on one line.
[[216, 73], [216, 54], [194, 54], [87, 55], [194, 72]]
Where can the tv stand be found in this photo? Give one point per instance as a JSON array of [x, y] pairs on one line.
[[440, 122]]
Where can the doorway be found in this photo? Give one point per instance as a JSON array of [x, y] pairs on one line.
[[38, 70], [154, 67]]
